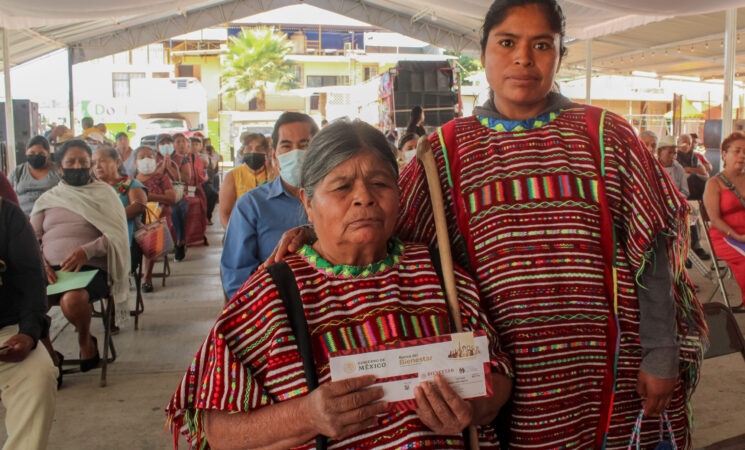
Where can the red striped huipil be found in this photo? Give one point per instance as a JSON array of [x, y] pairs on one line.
[[250, 359], [524, 205]]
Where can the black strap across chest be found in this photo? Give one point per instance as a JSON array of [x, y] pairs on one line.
[[731, 187]]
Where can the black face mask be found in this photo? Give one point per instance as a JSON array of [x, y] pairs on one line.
[[76, 177], [36, 160], [254, 160]]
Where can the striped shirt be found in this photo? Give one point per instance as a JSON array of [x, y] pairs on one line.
[[250, 359]]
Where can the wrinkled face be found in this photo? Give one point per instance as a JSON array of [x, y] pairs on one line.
[[734, 157], [650, 142], [684, 144], [356, 204], [667, 155], [180, 145], [521, 57], [104, 168], [76, 158]]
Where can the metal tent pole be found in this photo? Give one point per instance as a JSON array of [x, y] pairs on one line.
[[71, 100], [588, 72], [10, 135], [730, 36]]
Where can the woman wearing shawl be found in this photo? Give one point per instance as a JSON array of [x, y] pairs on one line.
[[81, 225], [575, 236]]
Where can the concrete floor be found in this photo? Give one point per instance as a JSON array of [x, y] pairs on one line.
[[128, 413]]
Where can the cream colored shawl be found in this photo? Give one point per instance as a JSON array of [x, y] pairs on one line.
[[100, 206]]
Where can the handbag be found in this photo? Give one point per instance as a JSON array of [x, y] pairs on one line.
[[178, 186], [664, 444], [154, 238]]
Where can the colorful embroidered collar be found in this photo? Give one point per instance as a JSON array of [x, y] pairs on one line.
[[518, 125], [395, 250]]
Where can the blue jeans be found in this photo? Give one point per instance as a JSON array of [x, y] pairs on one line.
[[178, 217]]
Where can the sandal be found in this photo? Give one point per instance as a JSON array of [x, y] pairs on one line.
[[90, 363], [739, 309], [60, 361]]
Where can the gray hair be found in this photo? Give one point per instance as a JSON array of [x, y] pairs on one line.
[[650, 134], [339, 142], [109, 151]]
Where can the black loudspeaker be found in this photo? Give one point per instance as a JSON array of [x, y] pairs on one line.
[[25, 123], [712, 133]]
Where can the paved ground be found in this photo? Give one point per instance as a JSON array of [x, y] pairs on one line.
[[128, 413]]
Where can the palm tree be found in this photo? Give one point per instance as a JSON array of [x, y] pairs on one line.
[[255, 61]]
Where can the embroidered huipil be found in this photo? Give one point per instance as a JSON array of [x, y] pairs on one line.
[[250, 359], [524, 206]]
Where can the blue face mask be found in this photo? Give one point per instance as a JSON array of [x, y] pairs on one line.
[[290, 165], [166, 149]]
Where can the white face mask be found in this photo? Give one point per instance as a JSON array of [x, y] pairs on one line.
[[166, 149], [409, 155], [290, 166], [146, 165]]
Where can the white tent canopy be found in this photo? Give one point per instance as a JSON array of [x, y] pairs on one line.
[[656, 31], [95, 28]]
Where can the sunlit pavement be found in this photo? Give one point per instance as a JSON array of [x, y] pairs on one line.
[[128, 412]]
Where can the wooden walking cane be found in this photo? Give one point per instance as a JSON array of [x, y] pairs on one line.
[[427, 159]]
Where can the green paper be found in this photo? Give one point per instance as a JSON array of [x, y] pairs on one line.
[[68, 281]]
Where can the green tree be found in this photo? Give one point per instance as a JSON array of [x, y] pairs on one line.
[[254, 62], [468, 66]]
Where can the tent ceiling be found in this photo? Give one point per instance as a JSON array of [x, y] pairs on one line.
[[644, 30]]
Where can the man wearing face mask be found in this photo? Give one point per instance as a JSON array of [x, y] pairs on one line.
[[262, 215], [36, 176], [253, 171]]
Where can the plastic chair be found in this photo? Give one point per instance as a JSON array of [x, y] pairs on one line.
[[136, 267], [166, 270], [107, 316], [720, 267]]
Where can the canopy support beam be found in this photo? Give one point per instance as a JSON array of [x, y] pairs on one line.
[[10, 135], [71, 99], [588, 72], [730, 37]]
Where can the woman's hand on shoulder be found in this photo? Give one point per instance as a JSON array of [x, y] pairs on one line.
[[290, 242], [341, 408]]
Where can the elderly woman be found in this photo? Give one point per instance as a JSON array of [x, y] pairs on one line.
[[575, 236], [131, 192], [36, 176], [254, 170], [159, 189], [82, 226], [360, 286], [724, 199]]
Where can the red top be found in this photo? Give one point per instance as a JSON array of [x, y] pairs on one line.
[[732, 212]]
